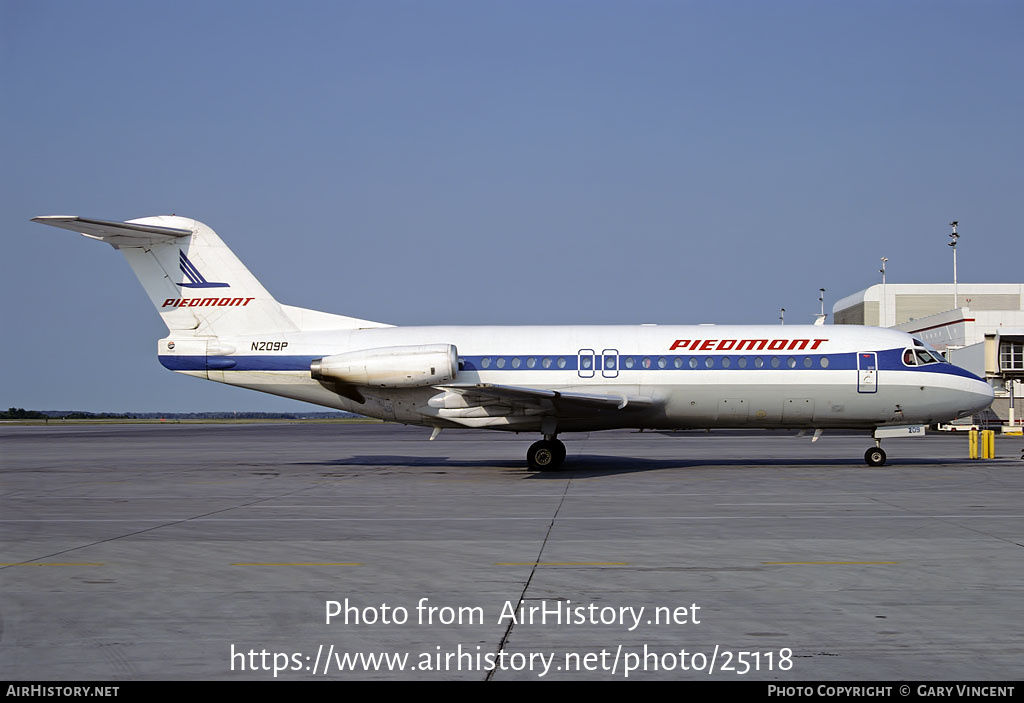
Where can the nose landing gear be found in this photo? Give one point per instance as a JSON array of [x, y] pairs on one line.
[[876, 455]]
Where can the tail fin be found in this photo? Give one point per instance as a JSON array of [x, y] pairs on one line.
[[196, 283]]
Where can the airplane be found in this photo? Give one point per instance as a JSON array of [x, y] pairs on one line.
[[224, 326]]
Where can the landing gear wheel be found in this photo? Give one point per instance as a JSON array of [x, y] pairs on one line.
[[560, 448], [875, 456], [545, 455]]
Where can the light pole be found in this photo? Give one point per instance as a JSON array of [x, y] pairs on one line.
[[1009, 386], [821, 299], [954, 236], [885, 317], [782, 316]]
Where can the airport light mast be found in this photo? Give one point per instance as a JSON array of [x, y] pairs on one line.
[[885, 317], [819, 319], [954, 236]]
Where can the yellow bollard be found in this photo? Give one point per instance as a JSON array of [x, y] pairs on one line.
[[988, 444], [972, 444]]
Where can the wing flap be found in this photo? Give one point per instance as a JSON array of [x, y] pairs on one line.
[[115, 233], [564, 399]]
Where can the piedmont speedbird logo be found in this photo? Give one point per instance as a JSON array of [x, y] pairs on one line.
[[197, 280]]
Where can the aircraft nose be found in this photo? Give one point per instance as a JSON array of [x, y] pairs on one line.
[[978, 397]]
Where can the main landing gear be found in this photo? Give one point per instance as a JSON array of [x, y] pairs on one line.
[[546, 455], [876, 455]]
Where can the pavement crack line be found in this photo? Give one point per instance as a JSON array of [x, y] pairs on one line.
[[946, 521], [533, 570], [155, 527]]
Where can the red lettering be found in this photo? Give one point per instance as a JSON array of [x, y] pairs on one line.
[[724, 344], [226, 302]]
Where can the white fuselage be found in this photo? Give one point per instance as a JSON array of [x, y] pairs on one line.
[[800, 376]]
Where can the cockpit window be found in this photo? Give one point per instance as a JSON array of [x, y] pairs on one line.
[[927, 357], [936, 354], [933, 354], [920, 357]]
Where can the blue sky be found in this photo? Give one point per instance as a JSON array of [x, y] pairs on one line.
[[494, 163]]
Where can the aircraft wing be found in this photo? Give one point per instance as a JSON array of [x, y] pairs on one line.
[[559, 399], [119, 234]]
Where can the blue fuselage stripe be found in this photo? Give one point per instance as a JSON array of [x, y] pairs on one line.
[[624, 364]]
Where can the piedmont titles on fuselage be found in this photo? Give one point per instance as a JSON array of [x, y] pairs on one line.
[[746, 344]]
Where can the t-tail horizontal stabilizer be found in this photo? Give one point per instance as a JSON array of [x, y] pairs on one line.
[[117, 234], [196, 283]]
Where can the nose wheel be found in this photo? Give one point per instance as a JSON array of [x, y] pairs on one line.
[[875, 456], [546, 455]]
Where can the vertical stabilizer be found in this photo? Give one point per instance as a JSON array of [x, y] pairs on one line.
[[195, 282]]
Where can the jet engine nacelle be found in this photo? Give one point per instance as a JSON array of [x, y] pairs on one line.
[[390, 367]]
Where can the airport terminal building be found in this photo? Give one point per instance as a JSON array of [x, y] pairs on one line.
[[981, 329]]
